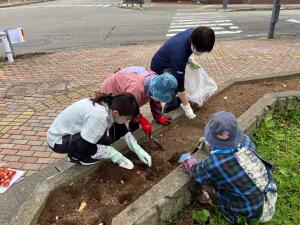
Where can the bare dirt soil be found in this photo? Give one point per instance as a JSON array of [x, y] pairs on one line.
[[110, 188]]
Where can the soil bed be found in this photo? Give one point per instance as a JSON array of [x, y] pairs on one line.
[[110, 189]]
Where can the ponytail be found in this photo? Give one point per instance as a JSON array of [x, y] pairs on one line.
[[101, 97], [125, 103]]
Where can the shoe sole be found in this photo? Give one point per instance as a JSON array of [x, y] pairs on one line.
[[73, 160], [87, 164]]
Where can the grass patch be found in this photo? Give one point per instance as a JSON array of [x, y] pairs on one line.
[[278, 140]]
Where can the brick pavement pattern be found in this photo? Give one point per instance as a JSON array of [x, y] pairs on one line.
[[35, 89]]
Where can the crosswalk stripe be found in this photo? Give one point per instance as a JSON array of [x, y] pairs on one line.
[[293, 21], [179, 30], [63, 4], [193, 21], [220, 24], [207, 25]]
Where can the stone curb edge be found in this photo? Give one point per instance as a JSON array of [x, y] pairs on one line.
[[25, 204], [171, 194]]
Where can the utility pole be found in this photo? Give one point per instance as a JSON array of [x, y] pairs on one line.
[[274, 19], [225, 3]]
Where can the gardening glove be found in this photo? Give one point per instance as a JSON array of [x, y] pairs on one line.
[[134, 147], [188, 111], [188, 162], [193, 63], [164, 120], [108, 152], [146, 125]]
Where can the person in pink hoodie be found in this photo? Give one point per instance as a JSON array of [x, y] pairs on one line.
[[146, 86]]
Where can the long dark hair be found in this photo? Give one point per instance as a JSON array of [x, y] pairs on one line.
[[125, 103]]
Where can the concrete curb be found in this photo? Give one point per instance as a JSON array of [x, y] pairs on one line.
[[258, 9], [164, 199], [28, 196]]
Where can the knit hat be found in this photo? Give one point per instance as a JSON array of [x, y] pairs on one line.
[[162, 87], [223, 131]]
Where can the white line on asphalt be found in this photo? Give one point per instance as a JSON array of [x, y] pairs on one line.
[[255, 35], [216, 32], [197, 13], [233, 27], [106, 5], [293, 21], [198, 17], [176, 30], [228, 32], [189, 25], [197, 22], [207, 25]]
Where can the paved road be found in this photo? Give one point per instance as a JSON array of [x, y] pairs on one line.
[[56, 25]]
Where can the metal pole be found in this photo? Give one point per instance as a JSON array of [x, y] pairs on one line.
[[7, 48], [274, 19], [225, 3]]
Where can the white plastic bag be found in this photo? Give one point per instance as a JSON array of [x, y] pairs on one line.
[[198, 85]]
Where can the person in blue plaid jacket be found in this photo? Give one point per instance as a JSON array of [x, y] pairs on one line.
[[241, 178]]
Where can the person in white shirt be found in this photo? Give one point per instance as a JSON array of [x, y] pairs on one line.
[[80, 130]]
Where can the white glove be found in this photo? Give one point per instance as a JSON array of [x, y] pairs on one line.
[[108, 152], [193, 63], [134, 147], [188, 111]]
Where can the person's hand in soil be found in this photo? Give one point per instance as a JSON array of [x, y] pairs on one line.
[[188, 162], [134, 147], [146, 125], [115, 156], [188, 111], [164, 120]]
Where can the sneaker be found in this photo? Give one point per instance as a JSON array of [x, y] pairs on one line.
[[72, 159], [84, 162], [88, 161]]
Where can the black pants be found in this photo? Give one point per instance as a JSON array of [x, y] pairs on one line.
[[76, 146], [119, 130], [174, 104]]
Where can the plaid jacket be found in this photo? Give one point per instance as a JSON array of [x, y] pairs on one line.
[[236, 193]]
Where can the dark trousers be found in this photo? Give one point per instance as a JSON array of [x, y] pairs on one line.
[[76, 146], [174, 104], [119, 130]]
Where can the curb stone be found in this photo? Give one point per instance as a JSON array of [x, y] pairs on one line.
[[26, 204]]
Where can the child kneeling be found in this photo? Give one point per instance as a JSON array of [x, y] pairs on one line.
[[241, 178]]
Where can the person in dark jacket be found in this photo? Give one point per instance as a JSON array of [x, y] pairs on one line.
[[175, 54]]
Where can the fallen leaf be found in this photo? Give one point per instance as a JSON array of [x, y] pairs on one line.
[[284, 85], [101, 224], [56, 218], [71, 184], [139, 172], [125, 203], [122, 182], [225, 98], [82, 206]]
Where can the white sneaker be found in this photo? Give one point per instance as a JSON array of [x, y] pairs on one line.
[[126, 163]]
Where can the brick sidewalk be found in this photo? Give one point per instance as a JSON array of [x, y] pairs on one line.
[[35, 89]]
